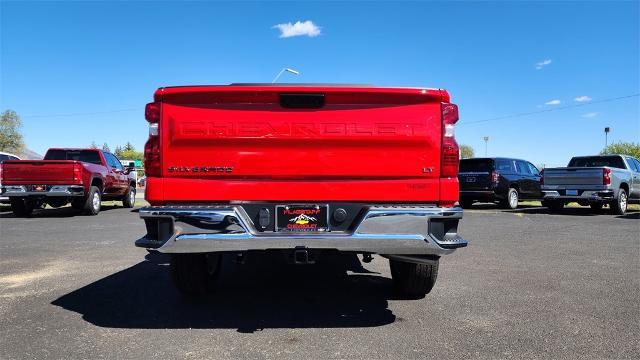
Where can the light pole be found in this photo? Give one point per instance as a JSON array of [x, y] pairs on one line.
[[606, 136], [486, 140], [289, 70]]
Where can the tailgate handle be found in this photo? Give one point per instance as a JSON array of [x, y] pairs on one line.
[[302, 101]]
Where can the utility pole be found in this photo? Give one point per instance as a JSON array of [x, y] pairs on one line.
[[486, 140], [606, 136]]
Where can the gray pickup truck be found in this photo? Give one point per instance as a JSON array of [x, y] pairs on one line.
[[594, 181]]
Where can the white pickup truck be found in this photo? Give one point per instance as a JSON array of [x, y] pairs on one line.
[[6, 156], [594, 181]]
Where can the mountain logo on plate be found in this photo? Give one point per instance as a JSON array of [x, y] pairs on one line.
[[303, 219]]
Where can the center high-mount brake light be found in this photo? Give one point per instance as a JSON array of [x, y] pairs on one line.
[[152, 163], [450, 151]]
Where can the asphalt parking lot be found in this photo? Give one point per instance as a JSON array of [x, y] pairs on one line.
[[530, 285]]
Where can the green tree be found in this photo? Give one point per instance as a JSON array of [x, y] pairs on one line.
[[94, 145], [11, 139], [131, 155], [118, 151], [105, 147], [466, 152], [624, 148], [128, 147]]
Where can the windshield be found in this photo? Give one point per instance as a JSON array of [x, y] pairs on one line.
[[476, 165], [597, 161], [78, 155]]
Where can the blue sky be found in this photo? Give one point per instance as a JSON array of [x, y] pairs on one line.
[[60, 58]]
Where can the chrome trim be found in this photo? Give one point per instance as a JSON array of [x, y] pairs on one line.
[[594, 187], [595, 195], [400, 230], [56, 190]]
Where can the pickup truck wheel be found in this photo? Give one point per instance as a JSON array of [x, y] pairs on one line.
[[129, 200], [554, 206], [511, 202], [92, 201], [413, 280], [597, 207], [21, 207], [194, 274], [619, 205], [466, 203]]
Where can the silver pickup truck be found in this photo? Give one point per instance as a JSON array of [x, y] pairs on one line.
[[594, 181]]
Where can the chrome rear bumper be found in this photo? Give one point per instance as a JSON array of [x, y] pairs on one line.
[[391, 230], [585, 195], [51, 190]]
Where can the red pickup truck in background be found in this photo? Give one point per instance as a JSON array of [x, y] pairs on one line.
[[302, 169], [82, 177]]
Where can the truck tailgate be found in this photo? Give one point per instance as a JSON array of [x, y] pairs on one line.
[[573, 176], [37, 172], [296, 136]]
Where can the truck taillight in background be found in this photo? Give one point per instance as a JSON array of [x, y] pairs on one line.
[[152, 165], [606, 176], [450, 151], [494, 177], [77, 173], [542, 177]]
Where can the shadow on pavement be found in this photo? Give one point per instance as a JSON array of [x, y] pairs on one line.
[[62, 212], [259, 294], [630, 215], [575, 211]]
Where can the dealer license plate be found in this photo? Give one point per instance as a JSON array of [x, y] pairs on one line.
[[302, 218]]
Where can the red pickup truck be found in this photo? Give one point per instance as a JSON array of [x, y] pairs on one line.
[[302, 169], [82, 177]]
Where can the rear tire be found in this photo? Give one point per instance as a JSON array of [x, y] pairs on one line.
[[554, 206], [21, 207], [619, 205], [511, 202], [596, 207], [129, 199], [92, 202], [413, 280], [194, 274]]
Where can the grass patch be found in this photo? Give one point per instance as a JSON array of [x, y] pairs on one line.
[[631, 207]]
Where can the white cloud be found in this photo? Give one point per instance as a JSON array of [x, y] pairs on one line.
[[590, 115], [543, 63], [553, 102], [583, 98], [307, 28]]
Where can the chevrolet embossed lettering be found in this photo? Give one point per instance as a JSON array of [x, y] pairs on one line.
[[200, 169]]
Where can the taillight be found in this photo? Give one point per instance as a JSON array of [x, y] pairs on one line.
[[606, 176], [152, 165], [77, 174], [542, 177], [152, 112], [450, 151], [494, 177]]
